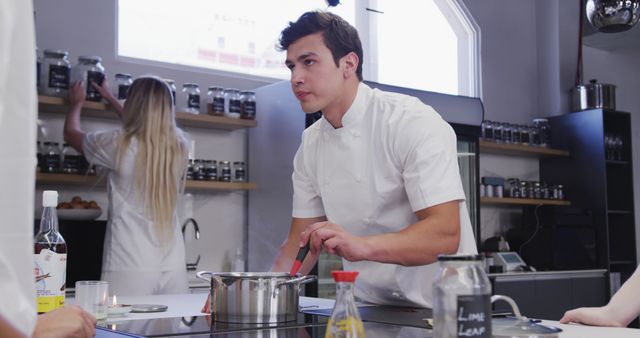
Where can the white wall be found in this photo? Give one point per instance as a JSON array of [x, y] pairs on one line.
[[89, 28]]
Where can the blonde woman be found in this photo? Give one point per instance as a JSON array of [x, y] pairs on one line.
[[146, 159]]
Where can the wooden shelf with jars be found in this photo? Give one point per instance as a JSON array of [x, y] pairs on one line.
[[87, 181], [53, 104], [521, 201], [518, 149]]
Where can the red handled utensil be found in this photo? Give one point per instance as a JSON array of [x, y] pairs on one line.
[[302, 253]]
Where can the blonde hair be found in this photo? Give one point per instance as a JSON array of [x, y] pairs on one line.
[[161, 157]]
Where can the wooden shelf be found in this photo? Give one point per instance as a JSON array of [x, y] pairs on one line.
[[53, 104], [84, 180], [617, 162], [517, 149], [521, 201]]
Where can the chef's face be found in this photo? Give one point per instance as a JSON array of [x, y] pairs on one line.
[[316, 80]]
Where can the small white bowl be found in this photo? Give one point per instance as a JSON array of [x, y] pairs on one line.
[[118, 309]]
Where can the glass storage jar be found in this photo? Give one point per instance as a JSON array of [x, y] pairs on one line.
[[51, 158], [487, 130], [172, 86], [56, 73], [191, 94], [71, 160], [121, 86], [507, 132], [544, 130], [524, 135], [239, 172], [215, 101], [89, 70], [211, 170], [248, 106], [198, 170], [190, 164], [233, 105], [225, 171], [461, 297]]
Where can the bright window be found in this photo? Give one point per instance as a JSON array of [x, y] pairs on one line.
[[428, 45]]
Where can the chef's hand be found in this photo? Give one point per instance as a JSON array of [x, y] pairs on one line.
[[103, 89], [207, 305], [335, 240], [77, 95], [69, 321], [598, 316]]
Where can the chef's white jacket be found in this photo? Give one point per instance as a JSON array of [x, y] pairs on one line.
[[131, 242], [393, 156], [17, 173]]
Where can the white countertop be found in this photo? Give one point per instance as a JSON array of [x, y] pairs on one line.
[[188, 305]]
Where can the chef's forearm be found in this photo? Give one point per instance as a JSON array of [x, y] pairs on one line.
[[625, 304], [437, 232]]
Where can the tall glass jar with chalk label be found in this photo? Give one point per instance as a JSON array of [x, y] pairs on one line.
[[121, 86], [233, 104], [461, 298], [56, 73], [191, 94], [89, 70]]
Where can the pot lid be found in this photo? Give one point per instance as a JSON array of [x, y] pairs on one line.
[[521, 327]]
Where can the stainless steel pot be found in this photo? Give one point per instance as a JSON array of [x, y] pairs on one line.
[[612, 16], [594, 95], [254, 297]]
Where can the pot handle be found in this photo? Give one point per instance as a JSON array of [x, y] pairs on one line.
[[298, 280], [514, 306], [212, 275]]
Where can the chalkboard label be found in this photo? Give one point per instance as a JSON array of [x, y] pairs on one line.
[[193, 101], [474, 316]]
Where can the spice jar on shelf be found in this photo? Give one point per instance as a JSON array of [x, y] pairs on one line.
[[233, 104], [211, 170], [121, 86], [71, 160], [191, 95], [89, 70], [215, 101], [248, 107], [51, 158], [224, 171], [239, 172], [56, 73]]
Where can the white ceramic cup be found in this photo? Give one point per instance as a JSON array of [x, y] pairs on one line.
[[92, 296]]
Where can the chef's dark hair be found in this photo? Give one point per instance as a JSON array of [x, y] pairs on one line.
[[339, 36]]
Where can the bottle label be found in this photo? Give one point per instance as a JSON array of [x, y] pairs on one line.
[[234, 106], [193, 101], [50, 273], [92, 93], [248, 109], [59, 76], [122, 92], [218, 104], [474, 316]]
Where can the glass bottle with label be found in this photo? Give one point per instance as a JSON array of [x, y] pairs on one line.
[[51, 158], [50, 254], [248, 107], [191, 95], [121, 86], [345, 319], [89, 70], [211, 170], [172, 86], [461, 298], [233, 104], [215, 101], [56, 73]]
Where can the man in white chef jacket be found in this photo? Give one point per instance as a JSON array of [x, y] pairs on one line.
[[18, 317], [376, 179]]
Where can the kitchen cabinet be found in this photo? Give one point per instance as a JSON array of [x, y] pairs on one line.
[[598, 183], [547, 295], [56, 105]]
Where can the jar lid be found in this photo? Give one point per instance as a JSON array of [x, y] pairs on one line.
[[190, 85], [125, 75], [233, 90], [247, 92], [459, 258], [344, 276], [208, 161], [225, 162], [215, 88], [238, 162], [540, 119], [169, 81], [90, 59], [55, 53]]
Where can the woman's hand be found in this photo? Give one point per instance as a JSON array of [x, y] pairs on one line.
[[598, 316], [103, 89], [77, 95]]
